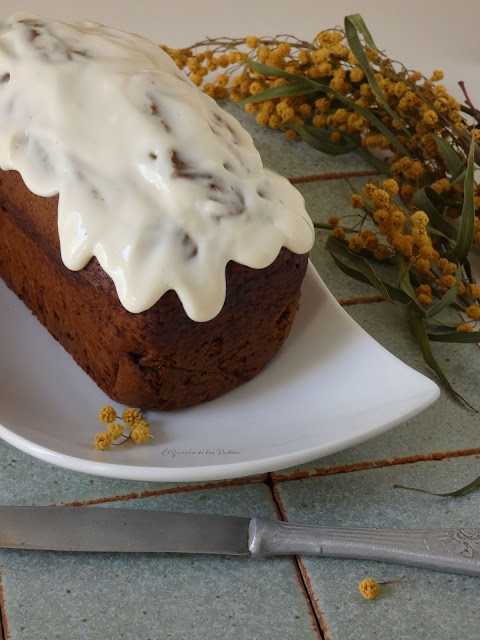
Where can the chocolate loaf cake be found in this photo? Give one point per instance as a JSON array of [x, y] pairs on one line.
[[161, 311], [159, 358]]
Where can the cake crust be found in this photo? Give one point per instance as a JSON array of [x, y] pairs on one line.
[[159, 358]]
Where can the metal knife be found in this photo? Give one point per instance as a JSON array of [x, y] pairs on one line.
[[101, 529]]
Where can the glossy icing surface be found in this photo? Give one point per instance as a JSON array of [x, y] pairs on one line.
[[154, 178]]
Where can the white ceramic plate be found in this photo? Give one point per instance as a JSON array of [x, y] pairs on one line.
[[330, 387]]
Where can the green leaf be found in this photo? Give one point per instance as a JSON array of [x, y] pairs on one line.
[[296, 88], [459, 178], [366, 113], [359, 24], [436, 232], [268, 70], [317, 85], [395, 294], [456, 336], [457, 307], [451, 494], [453, 161], [381, 165], [352, 27], [350, 271], [448, 298], [476, 153], [321, 140], [322, 225], [468, 270], [466, 232], [405, 282], [339, 249], [325, 134], [421, 335], [423, 199], [443, 325]]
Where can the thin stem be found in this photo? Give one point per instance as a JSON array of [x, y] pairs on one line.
[[467, 110], [224, 41], [476, 112], [117, 444], [393, 581]]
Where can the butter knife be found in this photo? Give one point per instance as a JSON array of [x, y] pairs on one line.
[[101, 529]]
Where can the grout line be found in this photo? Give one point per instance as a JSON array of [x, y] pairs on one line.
[[309, 589], [276, 503], [376, 464], [334, 176], [274, 478], [4, 635], [162, 492], [348, 302], [280, 511], [302, 574]]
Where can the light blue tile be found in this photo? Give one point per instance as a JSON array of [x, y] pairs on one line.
[[290, 157], [107, 596], [445, 427], [426, 605], [24, 480]]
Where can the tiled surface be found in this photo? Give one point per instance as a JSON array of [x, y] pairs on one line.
[[32, 481], [88, 596], [426, 605]]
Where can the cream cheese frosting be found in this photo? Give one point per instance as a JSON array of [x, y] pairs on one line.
[[154, 179]]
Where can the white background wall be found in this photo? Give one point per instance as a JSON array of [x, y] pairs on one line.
[[425, 35]]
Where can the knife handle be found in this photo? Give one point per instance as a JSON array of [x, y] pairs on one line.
[[451, 550]]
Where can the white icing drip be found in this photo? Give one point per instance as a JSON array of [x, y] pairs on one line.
[[155, 179]]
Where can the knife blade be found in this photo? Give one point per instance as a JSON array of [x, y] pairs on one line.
[[121, 530], [100, 529]]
